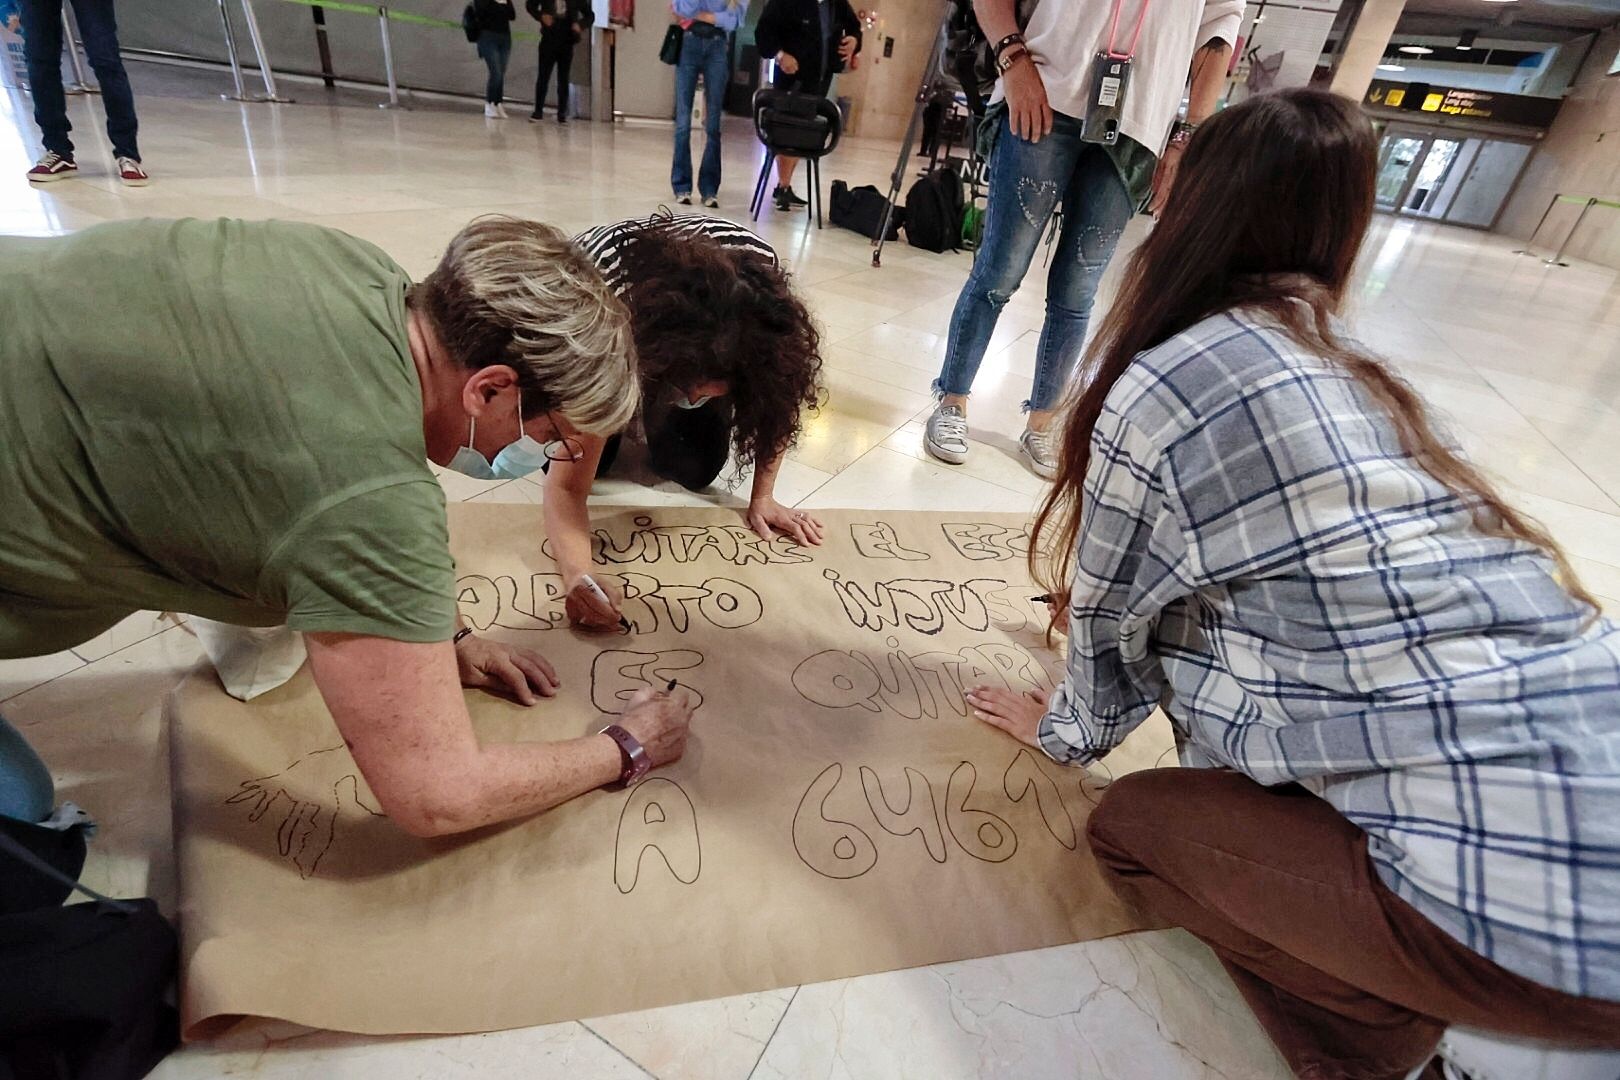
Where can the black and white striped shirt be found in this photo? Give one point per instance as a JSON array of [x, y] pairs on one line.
[[605, 243]]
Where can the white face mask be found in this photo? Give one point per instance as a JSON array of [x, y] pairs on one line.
[[688, 403], [515, 460]]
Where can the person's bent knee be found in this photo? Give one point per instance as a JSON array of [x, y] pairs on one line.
[[1132, 800]]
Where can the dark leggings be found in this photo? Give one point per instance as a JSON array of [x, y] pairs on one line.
[[688, 446]]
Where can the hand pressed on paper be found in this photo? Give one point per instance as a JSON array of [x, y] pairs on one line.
[[767, 517], [305, 801], [492, 665], [1018, 714]]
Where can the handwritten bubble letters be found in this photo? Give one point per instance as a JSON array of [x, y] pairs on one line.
[[839, 848], [983, 542], [658, 817], [877, 540], [536, 602], [616, 675], [928, 605], [914, 685], [648, 543]]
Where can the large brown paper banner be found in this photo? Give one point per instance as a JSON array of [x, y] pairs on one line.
[[838, 811]]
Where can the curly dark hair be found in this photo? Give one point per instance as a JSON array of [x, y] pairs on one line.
[[700, 311]]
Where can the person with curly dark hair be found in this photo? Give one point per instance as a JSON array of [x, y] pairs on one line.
[[730, 360]]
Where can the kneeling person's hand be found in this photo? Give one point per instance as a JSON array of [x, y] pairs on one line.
[[660, 720], [492, 665]]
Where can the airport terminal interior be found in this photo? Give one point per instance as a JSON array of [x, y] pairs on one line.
[[1489, 280]]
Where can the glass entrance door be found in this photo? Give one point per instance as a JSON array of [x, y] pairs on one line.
[[1398, 157], [1457, 178]]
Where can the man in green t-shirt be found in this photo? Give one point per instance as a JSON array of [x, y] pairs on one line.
[[233, 420]]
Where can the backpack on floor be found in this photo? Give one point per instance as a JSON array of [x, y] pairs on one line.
[[83, 988], [934, 208], [861, 210], [469, 23]]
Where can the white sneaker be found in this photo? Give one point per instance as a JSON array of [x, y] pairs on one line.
[[492, 111], [1037, 446], [946, 435], [500, 111]]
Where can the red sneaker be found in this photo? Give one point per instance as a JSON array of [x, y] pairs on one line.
[[52, 166], [131, 173]]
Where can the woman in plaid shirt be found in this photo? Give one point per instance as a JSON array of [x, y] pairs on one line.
[[1407, 709]]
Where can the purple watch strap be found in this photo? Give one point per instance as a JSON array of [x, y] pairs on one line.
[[636, 763]]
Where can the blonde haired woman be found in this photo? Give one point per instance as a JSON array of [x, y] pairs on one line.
[[230, 419]]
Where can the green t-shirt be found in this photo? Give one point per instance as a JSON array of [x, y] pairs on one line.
[[214, 417]]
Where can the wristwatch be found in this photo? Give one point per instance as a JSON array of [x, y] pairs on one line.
[[1006, 60], [636, 761], [1181, 134]]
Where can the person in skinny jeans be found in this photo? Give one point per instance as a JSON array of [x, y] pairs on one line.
[[42, 48], [705, 53], [495, 49], [1044, 160], [1397, 709]]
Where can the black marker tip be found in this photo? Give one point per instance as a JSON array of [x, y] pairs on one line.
[[1044, 598], [671, 685]]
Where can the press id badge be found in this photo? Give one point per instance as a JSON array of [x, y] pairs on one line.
[[1110, 79]]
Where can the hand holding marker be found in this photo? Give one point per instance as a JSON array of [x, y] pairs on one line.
[[596, 591]]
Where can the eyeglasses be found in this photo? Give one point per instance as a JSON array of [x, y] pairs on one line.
[[564, 447]]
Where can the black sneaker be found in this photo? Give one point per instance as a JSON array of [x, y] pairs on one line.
[[787, 200]]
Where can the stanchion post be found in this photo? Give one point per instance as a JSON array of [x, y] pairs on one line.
[[393, 101], [1531, 243], [269, 76], [80, 84], [230, 52], [1557, 259]]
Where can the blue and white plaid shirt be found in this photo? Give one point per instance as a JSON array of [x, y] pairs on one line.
[[1258, 555]]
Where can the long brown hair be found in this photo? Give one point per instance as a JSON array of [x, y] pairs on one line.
[[1272, 202]]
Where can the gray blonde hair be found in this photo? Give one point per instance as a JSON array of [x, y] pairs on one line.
[[518, 292]]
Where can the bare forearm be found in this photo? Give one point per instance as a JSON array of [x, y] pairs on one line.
[[765, 477], [568, 527], [997, 18], [507, 781], [1207, 80]]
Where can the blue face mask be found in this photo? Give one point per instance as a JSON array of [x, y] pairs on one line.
[[688, 403], [516, 460]]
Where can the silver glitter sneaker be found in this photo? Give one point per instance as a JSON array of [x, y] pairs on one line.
[[1037, 446], [946, 436]]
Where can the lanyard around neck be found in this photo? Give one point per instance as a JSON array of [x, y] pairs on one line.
[[1136, 37]]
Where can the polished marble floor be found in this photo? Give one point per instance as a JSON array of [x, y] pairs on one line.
[[1522, 359]]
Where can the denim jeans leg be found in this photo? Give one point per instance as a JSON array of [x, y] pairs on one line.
[[686, 79], [42, 49], [100, 29], [716, 71], [1096, 208], [26, 792], [1026, 181]]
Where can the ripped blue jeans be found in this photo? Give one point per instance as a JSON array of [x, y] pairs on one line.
[[1028, 181]]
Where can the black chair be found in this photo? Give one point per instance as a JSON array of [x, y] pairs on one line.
[[796, 125]]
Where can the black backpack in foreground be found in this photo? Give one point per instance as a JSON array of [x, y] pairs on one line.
[[84, 989], [934, 208]]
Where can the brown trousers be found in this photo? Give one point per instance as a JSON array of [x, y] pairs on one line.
[[1349, 980]]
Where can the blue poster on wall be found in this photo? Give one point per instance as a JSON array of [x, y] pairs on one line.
[[13, 71]]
